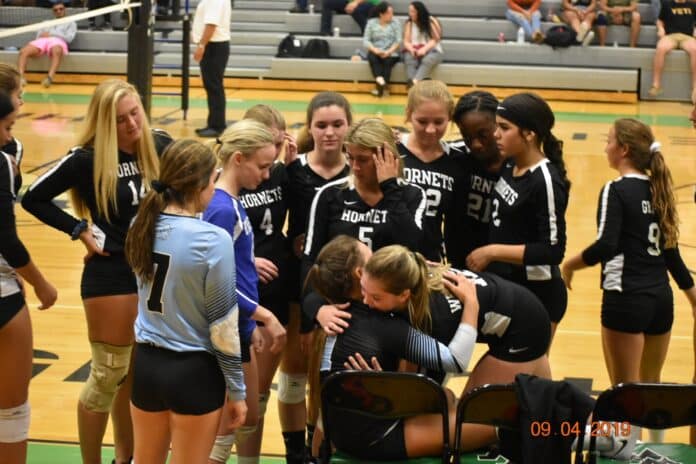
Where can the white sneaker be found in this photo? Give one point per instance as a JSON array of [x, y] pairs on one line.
[[588, 39], [623, 446], [581, 33]]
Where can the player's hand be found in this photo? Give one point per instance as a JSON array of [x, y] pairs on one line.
[[290, 148], [358, 363], [278, 335], [386, 163], [333, 318], [236, 413], [567, 274], [90, 243], [46, 293], [266, 269], [198, 54], [258, 342], [459, 286], [479, 259]]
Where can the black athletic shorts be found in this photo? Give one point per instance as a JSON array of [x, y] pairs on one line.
[[183, 382], [107, 275], [277, 303], [10, 306], [553, 295], [529, 334], [650, 312], [245, 346], [369, 438]]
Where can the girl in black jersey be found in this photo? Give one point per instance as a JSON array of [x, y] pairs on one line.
[[431, 163], [637, 245], [336, 275], [15, 265], [266, 207], [321, 160], [474, 115], [107, 174], [527, 229], [373, 204]]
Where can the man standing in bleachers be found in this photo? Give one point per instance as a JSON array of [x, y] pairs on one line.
[[211, 33], [52, 41]]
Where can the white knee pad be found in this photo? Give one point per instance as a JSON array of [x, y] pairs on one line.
[[108, 371], [14, 423], [263, 404], [291, 387], [222, 448]]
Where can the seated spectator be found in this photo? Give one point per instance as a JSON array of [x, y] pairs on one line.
[[422, 47], [300, 7], [675, 29], [526, 14], [618, 12], [52, 41], [96, 4], [358, 9], [580, 15], [382, 40]]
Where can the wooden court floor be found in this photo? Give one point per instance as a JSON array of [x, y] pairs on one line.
[[47, 127]]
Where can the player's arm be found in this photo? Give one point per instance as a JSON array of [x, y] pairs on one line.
[[406, 207]]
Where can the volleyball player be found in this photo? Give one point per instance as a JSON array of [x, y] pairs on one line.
[[431, 163], [636, 244], [108, 173], [474, 115], [328, 118], [15, 267], [266, 207], [527, 234], [188, 348], [373, 204], [336, 275]]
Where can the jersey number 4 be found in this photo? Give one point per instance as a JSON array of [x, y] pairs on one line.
[[154, 299]]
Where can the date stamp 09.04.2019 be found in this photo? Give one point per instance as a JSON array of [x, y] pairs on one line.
[[544, 429]]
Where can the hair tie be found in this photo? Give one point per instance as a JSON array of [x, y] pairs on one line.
[[655, 147], [158, 186]]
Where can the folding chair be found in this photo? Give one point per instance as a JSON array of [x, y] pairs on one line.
[[385, 395], [655, 406], [495, 405]]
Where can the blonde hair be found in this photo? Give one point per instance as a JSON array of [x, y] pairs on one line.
[[399, 269], [245, 136], [373, 133], [429, 90], [100, 133], [185, 171], [638, 138], [266, 115], [9, 78]]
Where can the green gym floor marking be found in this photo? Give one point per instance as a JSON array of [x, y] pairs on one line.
[[55, 453], [391, 109]]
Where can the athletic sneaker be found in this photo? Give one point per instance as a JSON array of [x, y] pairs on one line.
[[47, 81], [581, 33], [588, 39], [623, 446], [655, 91]]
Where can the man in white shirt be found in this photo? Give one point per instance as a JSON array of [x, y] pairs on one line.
[[211, 33], [52, 41]]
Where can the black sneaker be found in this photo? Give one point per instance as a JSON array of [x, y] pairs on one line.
[[208, 132]]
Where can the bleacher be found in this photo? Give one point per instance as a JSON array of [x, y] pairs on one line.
[[473, 54]]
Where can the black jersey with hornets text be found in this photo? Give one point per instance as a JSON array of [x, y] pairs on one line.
[[468, 228], [338, 209], [75, 171], [303, 185], [13, 254], [629, 240], [437, 178], [530, 209]]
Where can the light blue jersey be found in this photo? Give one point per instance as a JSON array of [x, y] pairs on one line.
[[191, 304]]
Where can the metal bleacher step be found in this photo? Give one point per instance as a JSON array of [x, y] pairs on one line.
[[243, 61], [258, 27], [266, 5], [250, 16]]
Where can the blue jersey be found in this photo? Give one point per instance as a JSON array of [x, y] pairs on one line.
[[226, 211], [190, 304]]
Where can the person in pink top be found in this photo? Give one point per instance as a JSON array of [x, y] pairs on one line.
[[52, 41]]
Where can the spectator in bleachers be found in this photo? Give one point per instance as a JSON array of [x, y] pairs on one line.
[[422, 47], [618, 12], [52, 41], [675, 30], [580, 15], [358, 9], [106, 22], [526, 14], [382, 40]]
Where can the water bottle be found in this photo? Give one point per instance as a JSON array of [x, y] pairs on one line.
[[520, 35], [311, 8]]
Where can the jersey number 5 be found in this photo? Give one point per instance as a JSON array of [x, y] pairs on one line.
[[154, 299]]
